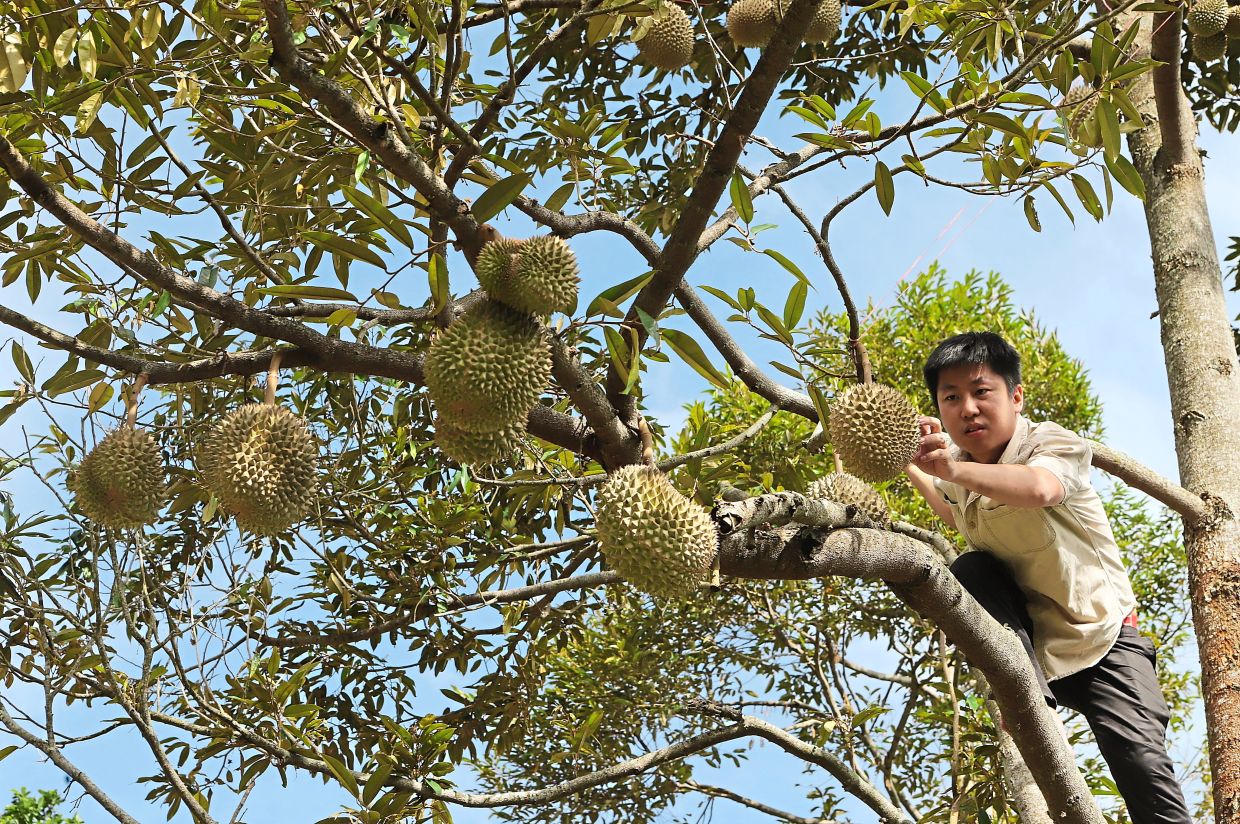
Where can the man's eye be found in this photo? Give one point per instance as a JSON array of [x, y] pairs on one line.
[[982, 391]]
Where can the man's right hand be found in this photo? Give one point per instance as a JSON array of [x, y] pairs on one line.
[[933, 454]]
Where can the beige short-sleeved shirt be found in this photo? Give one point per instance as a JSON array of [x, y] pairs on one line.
[[1064, 557]]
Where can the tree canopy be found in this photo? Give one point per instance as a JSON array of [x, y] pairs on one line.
[[225, 188]]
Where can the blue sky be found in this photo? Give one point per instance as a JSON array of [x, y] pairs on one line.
[[1091, 282]]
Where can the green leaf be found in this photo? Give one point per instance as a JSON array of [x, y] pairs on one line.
[[7, 751], [1088, 197], [88, 111], [884, 186], [777, 325], [1031, 214], [376, 781], [62, 49], [359, 168], [342, 774], [560, 196], [22, 361], [152, 24], [437, 277], [88, 58], [58, 384], [794, 307], [867, 714], [305, 291], [613, 296], [787, 264], [13, 72], [1127, 175], [382, 215], [740, 198], [1050, 187], [1108, 122], [723, 296], [343, 246], [691, 353], [497, 197]]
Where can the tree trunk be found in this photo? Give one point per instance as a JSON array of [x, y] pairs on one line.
[[1205, 391]]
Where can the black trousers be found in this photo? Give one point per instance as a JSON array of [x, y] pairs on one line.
[[1119, 696]]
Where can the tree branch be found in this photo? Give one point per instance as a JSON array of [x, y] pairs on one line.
[[67, 767], [1175, 121], [921, 580], [721, 792], [1139, 476]]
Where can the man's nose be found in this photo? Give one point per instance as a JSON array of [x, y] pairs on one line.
[[968, 408]]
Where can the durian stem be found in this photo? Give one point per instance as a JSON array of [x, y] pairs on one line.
[[643, 429], [839, 463], [131, 409], [273, 378]]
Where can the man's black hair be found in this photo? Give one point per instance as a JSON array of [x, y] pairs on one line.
[[972, 348]]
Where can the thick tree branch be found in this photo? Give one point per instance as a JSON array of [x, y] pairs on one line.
[[922, 581], [1140, 476], [1175, 120], [681, 248], [67, 767]]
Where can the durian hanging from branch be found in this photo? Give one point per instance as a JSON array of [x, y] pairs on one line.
[[538, 276], [873, 428], [665, 38], [850, 490], [752, 23], [489, 368], [122, 482], [261, 462]]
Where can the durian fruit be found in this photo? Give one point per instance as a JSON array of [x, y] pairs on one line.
[[1078, 107], [658, 539], [752, 22], [121, 482], [874, 430], [477, 447], [825, 26], [1232, 29], [849, 489], [1209, 48], [260, 461], [1207, 18], [668, 43], [538, 276], [488, 369]]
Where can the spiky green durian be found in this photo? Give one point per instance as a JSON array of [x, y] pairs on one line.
[[1207, 18], [1078, 107], [121, 483], [1209, 48], [668, 43], [825, 26], [874, 430], [752, 22], [538, 276], [496, 264], [847, 489], [260, 462], [477, 447], [658, 539], [1232, 29], [487, 370]]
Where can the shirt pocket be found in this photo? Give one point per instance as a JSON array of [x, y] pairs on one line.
[[1016, 530]]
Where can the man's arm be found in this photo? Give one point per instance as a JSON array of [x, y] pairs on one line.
[[925, 485], [1009, 484]]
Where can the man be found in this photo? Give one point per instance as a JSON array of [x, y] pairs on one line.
[[1046, 564]]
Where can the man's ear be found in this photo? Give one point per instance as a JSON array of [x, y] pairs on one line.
[[1018, 397]]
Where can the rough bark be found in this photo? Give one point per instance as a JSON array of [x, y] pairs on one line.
[[1202, 374], [917, 576]]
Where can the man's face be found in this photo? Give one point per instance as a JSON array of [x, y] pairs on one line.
[[977, 410]]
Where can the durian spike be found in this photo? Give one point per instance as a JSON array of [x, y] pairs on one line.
[[273, 378], [131, 409]]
